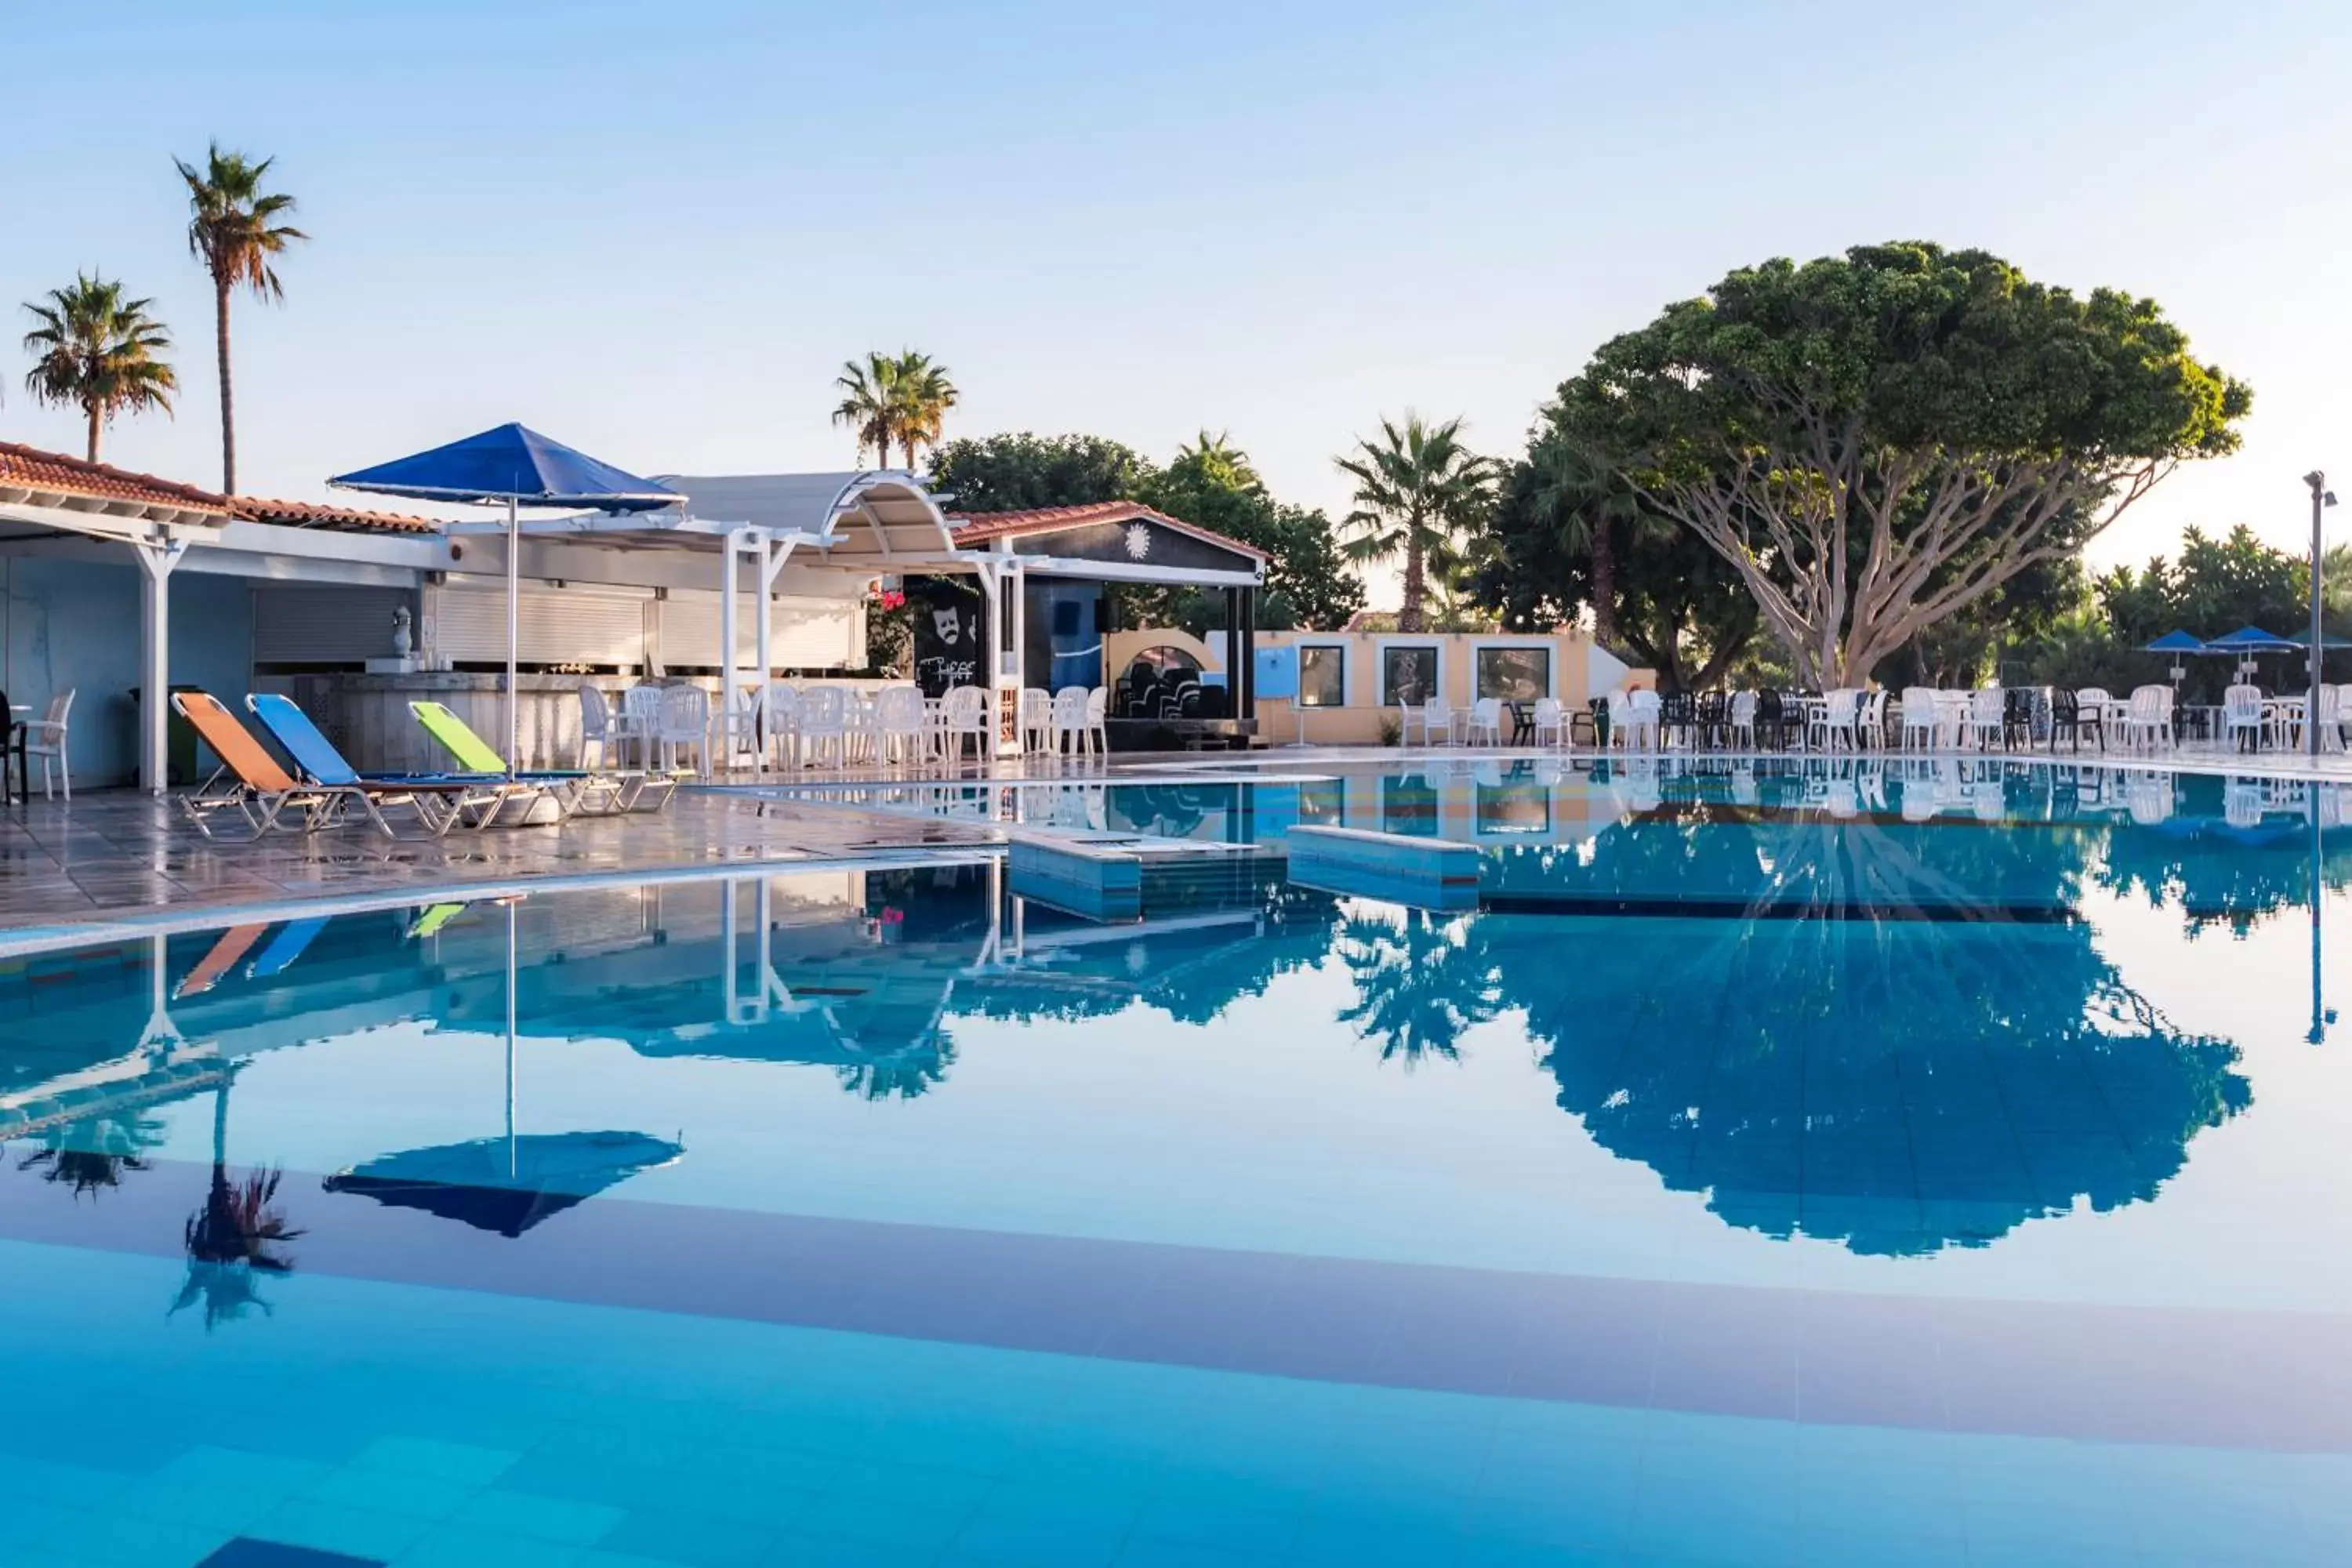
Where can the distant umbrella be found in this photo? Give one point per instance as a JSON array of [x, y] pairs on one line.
[[2176, 642]]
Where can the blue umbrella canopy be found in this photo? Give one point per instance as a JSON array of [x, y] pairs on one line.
[[2252, 640], [2175, 642], [2329, 639], [506, 1184], [511, 464]]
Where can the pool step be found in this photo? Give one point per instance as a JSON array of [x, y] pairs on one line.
[[1422, 873]]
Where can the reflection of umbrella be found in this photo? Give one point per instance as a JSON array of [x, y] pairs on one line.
[[492, 1183], [520, 468]]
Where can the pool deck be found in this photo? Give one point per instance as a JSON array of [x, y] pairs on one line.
[[115, 856]]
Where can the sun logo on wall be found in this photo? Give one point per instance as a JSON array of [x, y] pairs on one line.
[[1139, 541]]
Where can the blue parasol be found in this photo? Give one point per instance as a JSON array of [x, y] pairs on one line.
[[506, 1186], [516, 466]]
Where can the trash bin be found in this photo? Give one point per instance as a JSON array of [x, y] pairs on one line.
[[180, 764]]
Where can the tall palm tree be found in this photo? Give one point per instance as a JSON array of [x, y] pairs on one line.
[[234, 228], [97, 351], [869, 401], [239, 1236], [1418, 489], [921, 396], [1595, 510]]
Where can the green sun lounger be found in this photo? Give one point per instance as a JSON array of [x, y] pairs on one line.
[[595, 793]]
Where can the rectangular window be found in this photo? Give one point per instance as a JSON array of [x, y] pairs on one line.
[[1408, 675], [1322, 676], [1514, 674]]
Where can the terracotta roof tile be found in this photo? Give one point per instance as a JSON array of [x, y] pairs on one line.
[[966, 528], [30, 468], [342, 519]]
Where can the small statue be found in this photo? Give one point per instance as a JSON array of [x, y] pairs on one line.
[[401, 641]]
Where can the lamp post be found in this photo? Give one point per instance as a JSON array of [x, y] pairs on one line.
[[2322, 497]]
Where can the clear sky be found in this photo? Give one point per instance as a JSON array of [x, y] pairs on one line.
[[655, 231]]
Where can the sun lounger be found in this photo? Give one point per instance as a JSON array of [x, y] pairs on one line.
[[432, 918], [440, 804], [249, 781], [595, 793]]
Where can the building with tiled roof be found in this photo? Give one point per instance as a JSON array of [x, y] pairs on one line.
[[341, 519], [969, 528], [32, 477]]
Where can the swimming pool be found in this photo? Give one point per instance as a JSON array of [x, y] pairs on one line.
[[1765, 1172]]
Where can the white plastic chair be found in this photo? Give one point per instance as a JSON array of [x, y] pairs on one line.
[[780, 715], [1486, 722], [1739, 716], [964, 712], [1839, 717], [641, 709], [1922, 718], [1987, 708], [1036, 718], [1642, 712], [2148, 720], [1066, 721], [1549, 719], [2244, 715], [45, 741], [1436, 714], [685, 722], [596, 735], [1097, 722], [902, 730], [824, 725]]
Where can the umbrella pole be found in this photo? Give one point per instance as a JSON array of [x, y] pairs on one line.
[[514, 638], [510, 1040]]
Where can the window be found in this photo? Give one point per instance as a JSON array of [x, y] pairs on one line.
[[1514, 674], [1322, 675], [1408, 674]]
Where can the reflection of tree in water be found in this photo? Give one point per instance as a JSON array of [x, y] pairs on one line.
[[2218, 875], [1898, 1084], [902, 1076], [93, 1155], [235, 1238], [1421, 981]]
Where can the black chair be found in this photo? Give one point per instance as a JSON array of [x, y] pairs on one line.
[[13, 737], [2067, 717], [1676, 711], [1771, 722], [1714, 720], [2016, 718]]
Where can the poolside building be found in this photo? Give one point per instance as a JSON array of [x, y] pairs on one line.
[[115, 583]]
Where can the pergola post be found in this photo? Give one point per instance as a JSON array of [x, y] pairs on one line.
[[156, 559], [1020, 651], [727, 596]]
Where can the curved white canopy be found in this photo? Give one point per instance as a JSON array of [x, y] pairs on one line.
[[881, 516]]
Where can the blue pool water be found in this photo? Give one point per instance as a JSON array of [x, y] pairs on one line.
[[1771, 1170]]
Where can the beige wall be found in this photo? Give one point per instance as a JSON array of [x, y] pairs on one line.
[[1580, 672]]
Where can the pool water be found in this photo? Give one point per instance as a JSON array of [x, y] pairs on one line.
[[1771, 1170]]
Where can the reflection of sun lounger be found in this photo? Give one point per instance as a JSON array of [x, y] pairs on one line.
[[431, 920], [288, 944], [214, 967]]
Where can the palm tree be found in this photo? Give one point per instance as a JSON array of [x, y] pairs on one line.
[[1594, 508], [921, 396], [237, 1237], [870, 404], [1417, 489], [234, 229], [97, 351]]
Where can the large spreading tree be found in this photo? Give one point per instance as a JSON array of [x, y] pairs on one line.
[[1877, 441]]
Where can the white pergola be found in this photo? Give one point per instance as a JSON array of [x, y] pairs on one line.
[[158, 525]]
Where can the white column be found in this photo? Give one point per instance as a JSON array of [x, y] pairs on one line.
[[1020, 592], [995, 576], [728, 592], [763, 622], [155, 562]]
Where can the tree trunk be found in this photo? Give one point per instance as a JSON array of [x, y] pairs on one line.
[[228, 409], [1416, 582], [1604, 584], [95, 423]]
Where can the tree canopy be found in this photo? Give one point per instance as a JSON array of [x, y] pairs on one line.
[[1878, 441]]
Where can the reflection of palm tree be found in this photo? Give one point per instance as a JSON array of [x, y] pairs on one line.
[[1421, 982], [93, 1155], [902, 1077], [237, 1237]]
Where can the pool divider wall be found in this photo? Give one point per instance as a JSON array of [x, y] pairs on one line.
[[1096, 881], [1421, 873]]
